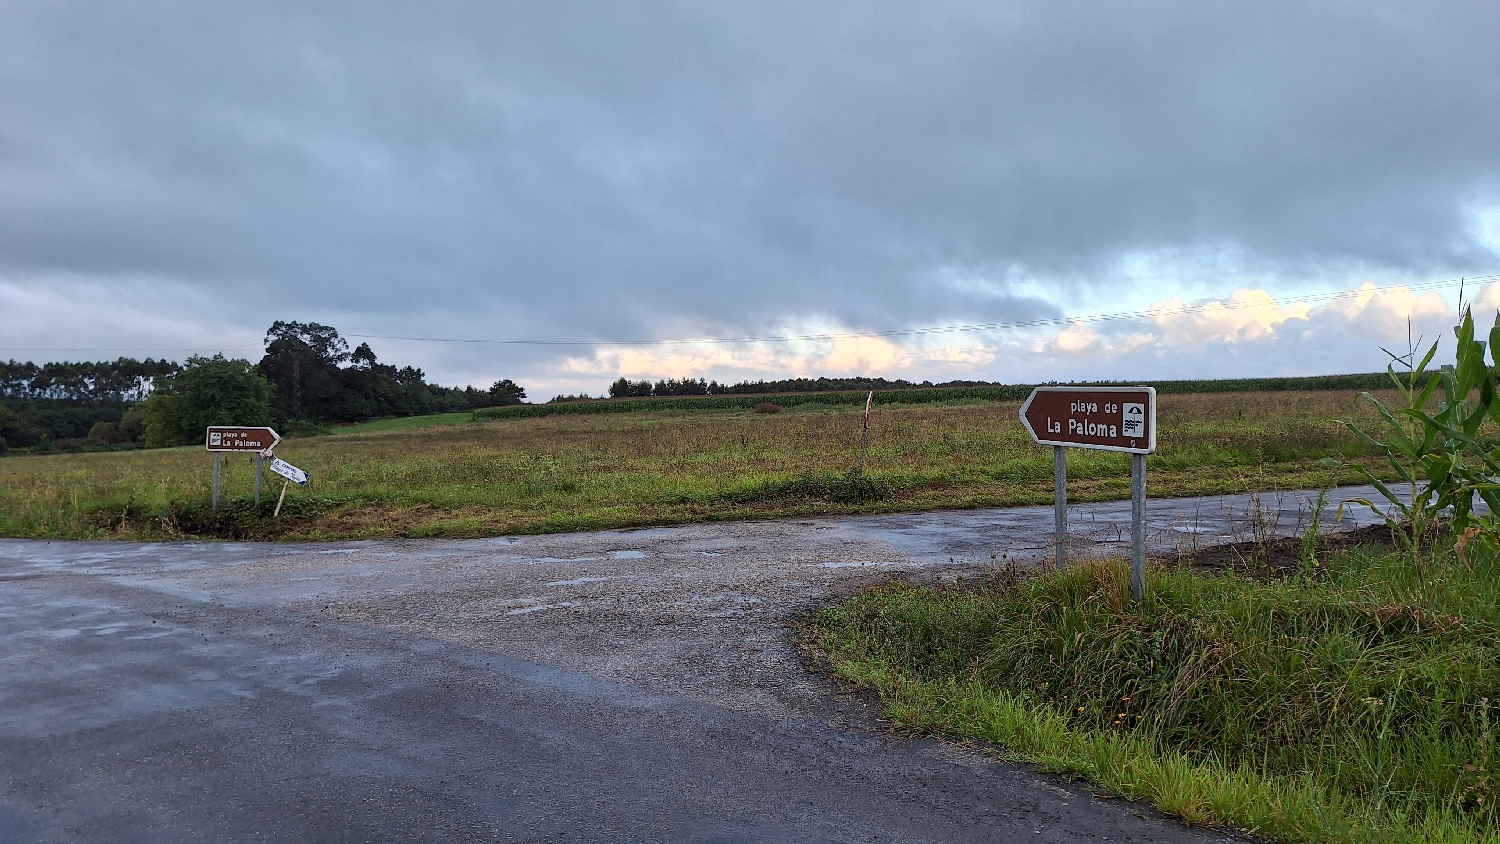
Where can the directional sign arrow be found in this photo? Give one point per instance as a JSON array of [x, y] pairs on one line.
[[290, 472], [1105, 418], [231, 438]]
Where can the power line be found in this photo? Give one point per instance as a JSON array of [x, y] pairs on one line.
[[955, 329], [238, 344]]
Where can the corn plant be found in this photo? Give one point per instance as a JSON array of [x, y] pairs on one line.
[[1438, 452]]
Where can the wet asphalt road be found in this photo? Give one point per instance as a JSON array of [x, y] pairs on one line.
[[618, 686]]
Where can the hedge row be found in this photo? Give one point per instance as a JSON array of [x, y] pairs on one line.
[[1366, 381], [918, 395]]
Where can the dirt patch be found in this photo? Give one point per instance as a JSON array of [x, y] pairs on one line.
[[1270, 559]]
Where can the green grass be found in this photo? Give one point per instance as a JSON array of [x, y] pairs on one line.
[[1356, 703], [620, 470], [405, 423]]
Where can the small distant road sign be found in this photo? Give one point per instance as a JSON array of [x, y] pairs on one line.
[[1107, 418], [288, 471], [228, 438]]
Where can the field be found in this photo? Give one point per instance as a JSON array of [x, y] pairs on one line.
[[404, 423], [614, 470]]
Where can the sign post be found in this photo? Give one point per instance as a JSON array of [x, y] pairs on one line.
[[230, 438], [864, 438], [1138, 527], [1060, 505], [1104, 418], [292, 474]]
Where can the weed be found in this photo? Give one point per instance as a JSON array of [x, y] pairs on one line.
[[1437, 453], [1309, 556]]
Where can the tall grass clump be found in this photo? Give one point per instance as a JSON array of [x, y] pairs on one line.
[[1437, 442], [1359, 705]]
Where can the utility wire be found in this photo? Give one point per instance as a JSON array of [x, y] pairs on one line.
[[237, 344]]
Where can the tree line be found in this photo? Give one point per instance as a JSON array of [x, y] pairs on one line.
[[67, 402], [122, 380], [315, 377], [307, 380], [625, 388]]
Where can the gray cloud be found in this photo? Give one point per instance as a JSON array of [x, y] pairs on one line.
[[616, 170]]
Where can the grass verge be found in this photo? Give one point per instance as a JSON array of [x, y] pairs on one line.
[[1352, 701]]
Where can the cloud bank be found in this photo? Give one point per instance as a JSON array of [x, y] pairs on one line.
[[178, 175]]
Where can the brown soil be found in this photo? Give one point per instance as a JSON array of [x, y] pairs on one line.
[[1274, 558]]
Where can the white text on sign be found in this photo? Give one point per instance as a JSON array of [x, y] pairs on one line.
[[1109, 418], [288, 471]]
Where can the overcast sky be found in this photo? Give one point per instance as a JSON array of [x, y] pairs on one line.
[[176, 176]]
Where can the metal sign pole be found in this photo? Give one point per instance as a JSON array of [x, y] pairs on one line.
[[1121, 419], [233, 438], [1138, 527], [1060, 512]]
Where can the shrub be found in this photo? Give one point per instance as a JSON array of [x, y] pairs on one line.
[[208, 391], [133, 423], [106, 432], [305, 428], [16, 431]]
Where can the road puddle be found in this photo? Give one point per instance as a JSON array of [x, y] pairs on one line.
[[579, 581], [528, 610], [861, 564]]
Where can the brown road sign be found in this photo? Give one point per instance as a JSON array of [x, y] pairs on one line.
[[228, 438], [1107, 418]]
